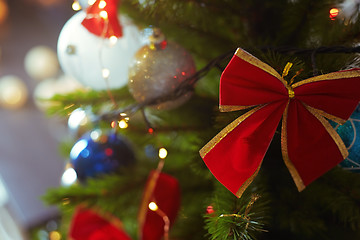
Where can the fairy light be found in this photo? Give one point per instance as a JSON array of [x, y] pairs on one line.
[[105, 72], [113, 40], [103, 14], [153, 206], [162, 153], [123, 124], [54, 235], [333, 13], [76, 6], [102, 4]]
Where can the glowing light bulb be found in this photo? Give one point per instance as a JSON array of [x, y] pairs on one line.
[[334, 12], [162, 153], [113, 40], [123, 124], [105, 73], [69, 177], [91, 2], [102, 4], [103, 14], [153, 206], [76, 6]]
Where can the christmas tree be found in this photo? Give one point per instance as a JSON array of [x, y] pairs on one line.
[[137, 162]]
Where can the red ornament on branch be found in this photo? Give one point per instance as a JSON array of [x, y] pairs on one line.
[[102, 19], [88, 224], [160, 205], [310, 146]]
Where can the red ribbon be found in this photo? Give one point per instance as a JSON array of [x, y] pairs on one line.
[[310, 146], [100, 26]]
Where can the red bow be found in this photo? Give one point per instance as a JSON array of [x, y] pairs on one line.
[[310, 146], [102, 19]]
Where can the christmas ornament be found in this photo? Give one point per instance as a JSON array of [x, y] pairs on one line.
[[79, 121], [13, 92], [351, 136], [310, 146], [159, 207], [99, 152], [157, 69], [96, 62], [69, 176], [91, 224], [48, 88], [41, 62], [101, 19]]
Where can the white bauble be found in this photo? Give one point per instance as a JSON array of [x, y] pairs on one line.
[[84, 55], [41, 62], [46, 89], [13, 92]]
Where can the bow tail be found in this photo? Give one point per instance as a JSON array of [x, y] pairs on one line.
[[234, 156], [310, 146]]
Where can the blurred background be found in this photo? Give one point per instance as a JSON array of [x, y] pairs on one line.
[[29, 159]]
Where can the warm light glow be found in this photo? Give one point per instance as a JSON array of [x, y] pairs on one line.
[[54, 235], [162, 153], [123, 124], [123, 114], [334, 12], [113, 40], [91, 2], [13, 92], [69, 177], [76, 6], [102, 4], [153, 206], [104, 14], [105, 73]]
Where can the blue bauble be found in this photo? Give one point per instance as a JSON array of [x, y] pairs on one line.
[[350, 134], [99, 152]]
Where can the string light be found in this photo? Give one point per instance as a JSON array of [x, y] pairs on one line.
[[334, 12], [103, 14], [123, 124], [153, 206], [162, 153], [113, 40], [76, 6], [102, 4], [105, 73], [54, 235]]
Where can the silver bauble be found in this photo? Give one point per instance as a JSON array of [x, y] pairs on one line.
[[158, 69]]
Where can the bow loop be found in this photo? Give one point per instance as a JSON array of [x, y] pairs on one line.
[[310, 146]]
